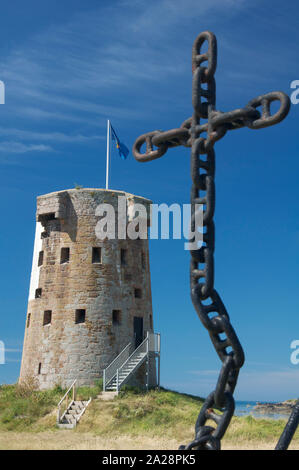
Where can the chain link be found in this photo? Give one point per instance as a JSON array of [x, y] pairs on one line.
[[205, 298], [201, 137]]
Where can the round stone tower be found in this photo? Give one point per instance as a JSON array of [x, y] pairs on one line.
[[88, 297]]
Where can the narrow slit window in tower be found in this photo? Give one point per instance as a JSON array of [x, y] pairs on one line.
[[38, 293], [46, 217], [40, 258], [39, 368], [116, 317], [47, 317], [64, 255], [137, 293], [28, 319], [123, 256], [97, 255], [80, 316]]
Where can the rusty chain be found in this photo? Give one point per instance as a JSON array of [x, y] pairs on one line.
[[201, 137]]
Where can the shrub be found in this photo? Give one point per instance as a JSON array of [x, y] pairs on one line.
[[27, 387]]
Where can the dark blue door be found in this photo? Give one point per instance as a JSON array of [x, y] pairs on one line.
[[138, 331]]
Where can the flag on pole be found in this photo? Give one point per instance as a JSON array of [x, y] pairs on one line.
[[121, 147]]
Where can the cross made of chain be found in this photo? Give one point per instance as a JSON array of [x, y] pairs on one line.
[[201, 137]]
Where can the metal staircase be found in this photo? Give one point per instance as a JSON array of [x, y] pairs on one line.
[[70, 410], [126, 363]]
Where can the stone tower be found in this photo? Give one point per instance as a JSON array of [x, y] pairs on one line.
[[88, 297]]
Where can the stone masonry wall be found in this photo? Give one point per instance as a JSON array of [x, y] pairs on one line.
[[63, 350]]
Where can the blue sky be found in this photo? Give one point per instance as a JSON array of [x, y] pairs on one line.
[[68, 66]]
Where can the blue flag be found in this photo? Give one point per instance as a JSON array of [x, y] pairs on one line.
[[122, 149]]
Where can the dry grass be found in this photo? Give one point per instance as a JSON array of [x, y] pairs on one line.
[[157, 420], [73, 440]]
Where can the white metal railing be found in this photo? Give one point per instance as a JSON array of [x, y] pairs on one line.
[[142, 348], [151, 345], [83, 410], [154, 342], [65, 397], [155, 347], [112, 369]]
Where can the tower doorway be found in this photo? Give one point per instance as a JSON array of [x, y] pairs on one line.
[[138, 331]]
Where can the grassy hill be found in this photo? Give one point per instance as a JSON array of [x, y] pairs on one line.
[[157, 419]]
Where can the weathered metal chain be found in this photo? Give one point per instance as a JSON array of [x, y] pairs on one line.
[[206, 300]]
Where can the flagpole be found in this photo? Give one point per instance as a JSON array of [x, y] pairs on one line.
[[108, 154]]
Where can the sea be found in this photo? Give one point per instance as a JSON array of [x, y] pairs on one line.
[[246, 408]]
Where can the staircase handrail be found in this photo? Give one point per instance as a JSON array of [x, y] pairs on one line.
[[66, 396], [137, 351], [154, 342], [83, 410], [111, 370], [132, 371]]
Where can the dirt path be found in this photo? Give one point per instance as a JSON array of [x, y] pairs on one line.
[[70, 440]]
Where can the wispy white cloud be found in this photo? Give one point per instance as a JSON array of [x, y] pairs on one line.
[[166, 14], [267, 385], [37, 114], [82, 55], [48, 136], [8, 147], [84, 107], [280, 375], [86, 69]]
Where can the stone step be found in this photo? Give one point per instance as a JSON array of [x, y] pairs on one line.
[[73, 414], [107, 395], [77, 407], [69, 419], [66, 426]]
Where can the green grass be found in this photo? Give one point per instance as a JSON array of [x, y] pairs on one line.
[[156, 413], [84, 393], [22, 406], [19, 408], [253, 429]]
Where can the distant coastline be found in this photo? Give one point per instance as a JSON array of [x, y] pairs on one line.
[[265, 410], [283, 407]]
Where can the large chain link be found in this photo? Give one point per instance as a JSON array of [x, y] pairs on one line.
[[205, 298], [201, 137]]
